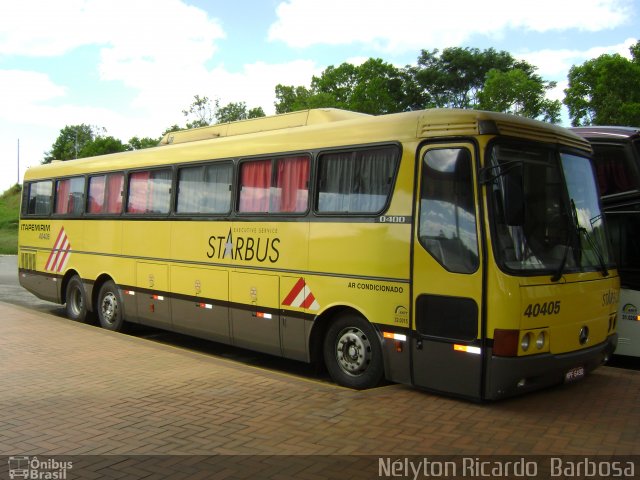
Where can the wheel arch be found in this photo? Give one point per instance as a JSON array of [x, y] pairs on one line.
[[322, 323], [97, 285], [65, 282]]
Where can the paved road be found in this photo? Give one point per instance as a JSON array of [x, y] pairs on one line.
[[72, 389], [12, 292], [120, 406]]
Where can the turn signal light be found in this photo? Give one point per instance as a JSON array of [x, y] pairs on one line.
[[505, 342]]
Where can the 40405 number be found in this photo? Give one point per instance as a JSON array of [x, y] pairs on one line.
[[547, 308]]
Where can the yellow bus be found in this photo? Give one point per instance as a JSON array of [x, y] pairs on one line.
[[459, 251]]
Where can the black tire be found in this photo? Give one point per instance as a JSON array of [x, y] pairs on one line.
[[110, 307], [352, 353], [76, 300]]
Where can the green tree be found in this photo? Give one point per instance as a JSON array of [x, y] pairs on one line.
[[102, 145], [173, 128], [374, 87], [204, 112], [70, 142], [201, 112], [378, 89], [233, 112], [136, 143], [455, 77], [605, 90], [80, 141], [519, 93], [293, 99]]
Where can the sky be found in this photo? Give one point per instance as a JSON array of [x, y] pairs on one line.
[[133, 66]]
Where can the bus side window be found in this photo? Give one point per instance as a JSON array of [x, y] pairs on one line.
[[149, 192], [105, 193], [613, 169], [278, 185], [70, 196], [358, 182], [205, 189]]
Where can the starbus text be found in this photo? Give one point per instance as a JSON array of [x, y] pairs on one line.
[[260, 249]]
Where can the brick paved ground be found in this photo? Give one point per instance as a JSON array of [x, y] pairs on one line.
[[72, 389]]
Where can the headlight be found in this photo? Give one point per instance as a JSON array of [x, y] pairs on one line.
[[526, 340], [540, 340]]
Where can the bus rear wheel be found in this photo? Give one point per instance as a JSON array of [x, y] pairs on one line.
[[76, 300], [352, 353], [109, 307]]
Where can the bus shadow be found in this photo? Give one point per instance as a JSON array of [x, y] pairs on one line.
[[623, 361], [232, 353]]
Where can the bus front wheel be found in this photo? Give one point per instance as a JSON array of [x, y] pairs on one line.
[[76, 300], [352, 353], [110, 312]]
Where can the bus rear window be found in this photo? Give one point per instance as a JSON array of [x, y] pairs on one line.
[[356, 181], [149, 192], [38, 198], [105, 193]]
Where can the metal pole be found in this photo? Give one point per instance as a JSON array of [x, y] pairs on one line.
[[18, 182]]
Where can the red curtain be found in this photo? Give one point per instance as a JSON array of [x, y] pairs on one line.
[[138, 192], [115, 183], [255, 181], [293, 184], [96, 194], [62, 196]]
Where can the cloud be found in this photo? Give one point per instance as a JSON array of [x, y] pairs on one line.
[[20, 88], [405, 25], [556, 63], [254, 84], [155, 28]]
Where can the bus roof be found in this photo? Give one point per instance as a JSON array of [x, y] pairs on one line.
[[607, 132], [262, 124], [309, 130]]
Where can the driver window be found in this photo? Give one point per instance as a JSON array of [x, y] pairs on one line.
[[447, 227]]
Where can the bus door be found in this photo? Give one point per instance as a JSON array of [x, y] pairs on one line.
[[447, 276]]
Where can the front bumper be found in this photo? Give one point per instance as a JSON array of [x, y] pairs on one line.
[[509, 376]]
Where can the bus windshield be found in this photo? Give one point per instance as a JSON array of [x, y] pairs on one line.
[[546, 212]]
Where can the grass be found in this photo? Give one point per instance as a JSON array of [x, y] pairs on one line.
[[9, 214]]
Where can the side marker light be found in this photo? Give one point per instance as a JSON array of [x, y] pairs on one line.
[[395, 336], [467, 348]]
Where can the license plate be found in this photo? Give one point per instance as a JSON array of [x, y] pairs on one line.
[[574, 374]]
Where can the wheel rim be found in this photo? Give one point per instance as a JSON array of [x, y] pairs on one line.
[[109, 308], [76, 301], [353, 351]]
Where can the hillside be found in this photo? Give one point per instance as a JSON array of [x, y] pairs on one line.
[[9, 213]]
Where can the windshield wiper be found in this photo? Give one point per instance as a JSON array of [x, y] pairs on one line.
[[568, 244], [590, 240], [596, 249], [558, 275]]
